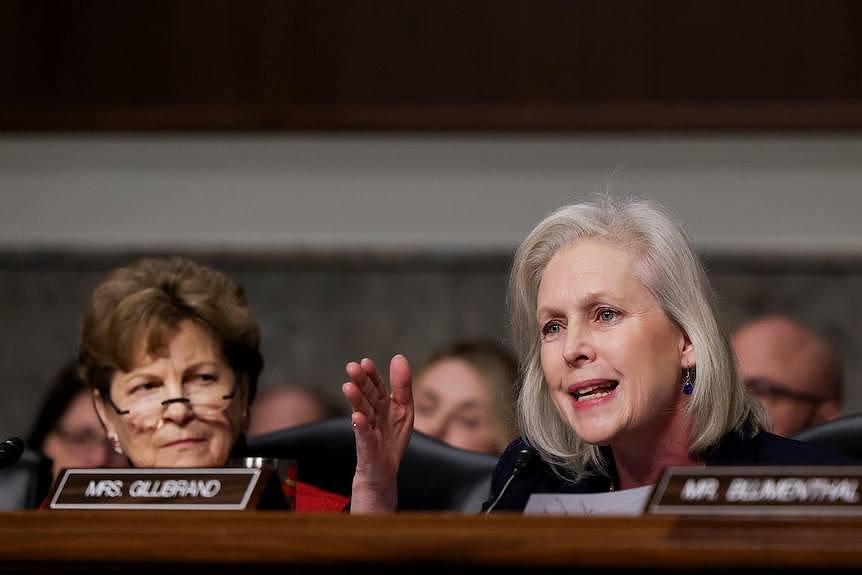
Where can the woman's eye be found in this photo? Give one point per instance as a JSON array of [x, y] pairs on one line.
[[469, 423], [204, 378], [607, 314], [424, 410], [551, 328], [143, 387]]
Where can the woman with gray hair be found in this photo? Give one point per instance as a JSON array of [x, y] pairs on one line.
[[625, 369]]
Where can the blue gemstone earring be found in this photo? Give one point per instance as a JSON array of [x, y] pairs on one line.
[[688, 381]]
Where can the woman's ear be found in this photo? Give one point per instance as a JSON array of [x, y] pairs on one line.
[[245, 405], [245, 418], [686, 354], [99, 404]]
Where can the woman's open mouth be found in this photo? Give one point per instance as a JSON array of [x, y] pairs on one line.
[[592, 391]]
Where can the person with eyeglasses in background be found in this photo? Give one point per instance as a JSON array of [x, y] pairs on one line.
[[795, 373], [67, 429]]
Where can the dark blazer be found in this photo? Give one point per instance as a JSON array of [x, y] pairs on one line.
[[735, 448]]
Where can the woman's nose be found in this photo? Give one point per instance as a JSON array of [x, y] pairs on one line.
[[177, 411], [578, 347]]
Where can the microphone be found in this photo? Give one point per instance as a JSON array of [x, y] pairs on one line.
[[10, 451], [524, 460]]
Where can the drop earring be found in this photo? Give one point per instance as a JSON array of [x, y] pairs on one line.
[[688, 381]]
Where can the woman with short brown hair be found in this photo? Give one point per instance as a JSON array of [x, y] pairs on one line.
[[171, 351]]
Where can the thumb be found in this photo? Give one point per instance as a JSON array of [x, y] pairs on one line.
[[400, 379]]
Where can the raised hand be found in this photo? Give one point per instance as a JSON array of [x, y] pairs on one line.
[[382, 423]]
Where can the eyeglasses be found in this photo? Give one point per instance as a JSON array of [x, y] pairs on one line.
[[205, 395], [764, 387]]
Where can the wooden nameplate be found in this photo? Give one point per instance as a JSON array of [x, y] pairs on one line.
[[164, 488], [773, 490]]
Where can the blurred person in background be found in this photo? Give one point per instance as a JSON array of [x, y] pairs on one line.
[[67, 429], [465, 396], [795, 373], [283, 406]]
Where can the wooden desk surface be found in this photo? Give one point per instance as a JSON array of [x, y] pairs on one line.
[[159, 541]]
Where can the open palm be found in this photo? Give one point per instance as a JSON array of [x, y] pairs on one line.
[[382, 422]]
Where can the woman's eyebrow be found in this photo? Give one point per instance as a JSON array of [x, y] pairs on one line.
[[470, 404], [198, 365], [547, 311], [584, 301], [139, 375]]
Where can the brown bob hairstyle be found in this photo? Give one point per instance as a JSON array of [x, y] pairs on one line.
[[136, 307]]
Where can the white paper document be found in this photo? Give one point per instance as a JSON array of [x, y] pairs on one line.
[[628, 502]]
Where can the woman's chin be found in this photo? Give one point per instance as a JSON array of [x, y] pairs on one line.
[[190, 457], [595, 433], [193, 462], [599, 439]]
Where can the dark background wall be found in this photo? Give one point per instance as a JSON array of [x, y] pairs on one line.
[[431, 64]]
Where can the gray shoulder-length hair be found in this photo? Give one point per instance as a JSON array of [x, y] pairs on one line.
[[666, 265]]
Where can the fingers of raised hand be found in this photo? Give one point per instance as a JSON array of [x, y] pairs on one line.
[[360, 403], [365, 376], [360, 425], [400, 377], [376, 379]]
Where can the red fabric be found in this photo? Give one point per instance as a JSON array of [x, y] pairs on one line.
[[311, 499]]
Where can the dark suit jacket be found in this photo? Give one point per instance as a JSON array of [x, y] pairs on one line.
[[735, 448]]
